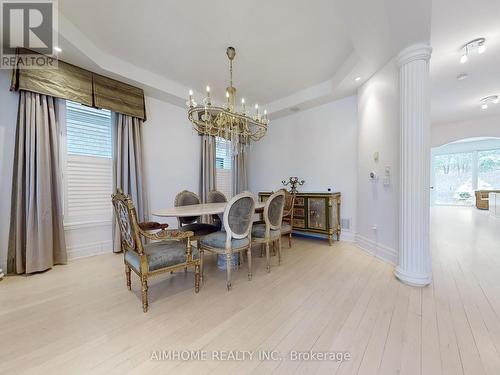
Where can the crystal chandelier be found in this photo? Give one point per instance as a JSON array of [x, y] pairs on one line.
[[227, 121]]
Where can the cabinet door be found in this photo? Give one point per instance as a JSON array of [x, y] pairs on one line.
[[317, 213]]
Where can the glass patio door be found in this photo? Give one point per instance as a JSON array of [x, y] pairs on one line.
[[454, 183], [488, 170]]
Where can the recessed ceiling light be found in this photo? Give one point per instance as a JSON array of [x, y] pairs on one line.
[[462, 76], [484, 106], [57, 49], [357, 79]]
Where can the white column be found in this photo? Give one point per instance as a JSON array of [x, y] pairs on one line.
[[414, 264]]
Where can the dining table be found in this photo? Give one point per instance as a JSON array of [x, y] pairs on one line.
[[199, 209]]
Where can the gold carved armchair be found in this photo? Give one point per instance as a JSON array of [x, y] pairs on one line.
[[169, 251]]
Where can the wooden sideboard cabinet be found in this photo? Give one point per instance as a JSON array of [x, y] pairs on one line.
[[315, 213]]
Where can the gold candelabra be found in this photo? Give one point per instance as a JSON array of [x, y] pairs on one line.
[[293, 182]]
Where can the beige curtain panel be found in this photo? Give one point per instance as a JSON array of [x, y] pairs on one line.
[[240, 175], [79, 85], [128, 168], [36, 238], [207, 173]]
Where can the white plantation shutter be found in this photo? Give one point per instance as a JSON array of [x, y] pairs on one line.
[[223, 171], [89, 164]]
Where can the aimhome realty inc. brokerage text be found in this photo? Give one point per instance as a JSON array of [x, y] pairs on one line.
[[248, 355]]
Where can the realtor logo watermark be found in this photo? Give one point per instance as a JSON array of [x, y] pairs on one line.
[[29, 34]]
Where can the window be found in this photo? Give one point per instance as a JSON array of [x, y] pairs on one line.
[[453, 178], [223, 166], [88, 178], [461, 168], [489, 169]]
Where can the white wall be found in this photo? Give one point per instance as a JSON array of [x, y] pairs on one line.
[[378, 129], [317, 145], [479, 127], [8, 117], [171, 155]]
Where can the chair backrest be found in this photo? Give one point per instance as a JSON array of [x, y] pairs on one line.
[[289, 204], [216, 196], [273, 210], [186, 198], [238, 216], [126, 218]]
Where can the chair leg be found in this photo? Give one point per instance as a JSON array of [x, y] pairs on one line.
[[127, 274], [261, 250], [249, 254], [268, 268], [197, 278], [202, 255], [228, 268], [274, 248], [144, 281], [279, 250], [290, 240]]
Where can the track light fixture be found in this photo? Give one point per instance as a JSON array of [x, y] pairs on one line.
[[477, 45], [492, 99]]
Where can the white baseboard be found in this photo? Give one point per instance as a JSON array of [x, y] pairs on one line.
[[344, 236], [76, 252], [348, 236], [380, 251], [89, 249]]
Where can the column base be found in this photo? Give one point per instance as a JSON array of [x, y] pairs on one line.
[[418, 280]]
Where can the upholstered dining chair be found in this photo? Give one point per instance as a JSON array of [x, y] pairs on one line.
[[192, 223], [216, 196], [171, 249], [235, 238], [270, 231], [287, 222]]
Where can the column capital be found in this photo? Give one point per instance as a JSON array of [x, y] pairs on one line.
[[419, 51]]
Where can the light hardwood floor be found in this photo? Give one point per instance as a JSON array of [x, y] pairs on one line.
[[80, 318]]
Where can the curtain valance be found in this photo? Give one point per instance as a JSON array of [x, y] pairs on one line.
[[118, 96], [70, 82]]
